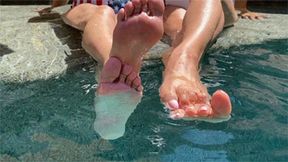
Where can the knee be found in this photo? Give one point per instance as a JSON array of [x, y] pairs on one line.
[[80, 15], [100, 12], [104, 11], [173, 22], [172, 29]]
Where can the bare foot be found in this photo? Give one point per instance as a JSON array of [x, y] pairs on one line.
[[184, 94], [139, 26], [252, 15]]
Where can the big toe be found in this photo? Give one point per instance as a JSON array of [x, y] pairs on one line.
[[111, 70], [221, 104]]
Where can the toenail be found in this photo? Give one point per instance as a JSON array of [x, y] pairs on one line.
[[205, 109], [191, 110], [173, 104], [140, 88], [178, 114]]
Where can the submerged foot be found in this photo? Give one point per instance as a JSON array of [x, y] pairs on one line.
[[113, 111], [188, 98]]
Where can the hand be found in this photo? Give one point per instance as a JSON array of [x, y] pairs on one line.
[[252, 15]]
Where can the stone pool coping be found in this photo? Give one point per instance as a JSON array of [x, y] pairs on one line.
[[35, 48]]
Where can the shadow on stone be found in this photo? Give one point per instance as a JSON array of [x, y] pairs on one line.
[[76, 55], [4, 50], [45, 17]]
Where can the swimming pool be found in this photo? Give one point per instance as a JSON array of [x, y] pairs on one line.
[[52, 120]]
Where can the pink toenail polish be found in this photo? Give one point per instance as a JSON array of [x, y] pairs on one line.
[[204, 108], [173, 104], [177, 114]]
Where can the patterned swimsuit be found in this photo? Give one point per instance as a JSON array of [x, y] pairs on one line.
[[116, 5]]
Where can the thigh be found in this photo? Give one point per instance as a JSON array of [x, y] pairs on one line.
[[80, 15]]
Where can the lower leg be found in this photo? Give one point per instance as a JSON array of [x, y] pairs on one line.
[[229, 12], [183, 91], [97, 24]]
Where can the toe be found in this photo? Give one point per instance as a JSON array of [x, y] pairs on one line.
[[191, 111], [221, 104], [111, 70], [127, 69], [129, 9], [130, 78], [186, 96], [173, 104], [204, 110], [156, 7], [168, 96], [140, 88], [177, 114], [137, 6], [136, 82], [121, 15]]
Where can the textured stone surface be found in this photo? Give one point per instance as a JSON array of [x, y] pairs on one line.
[[33, 47]]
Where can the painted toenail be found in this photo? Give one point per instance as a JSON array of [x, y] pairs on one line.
[[173, 104], [191, 110], [205, 109], [178, 114]]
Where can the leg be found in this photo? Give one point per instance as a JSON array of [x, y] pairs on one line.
[[184, 94], [97, 24], [229, 12], [139, 26]]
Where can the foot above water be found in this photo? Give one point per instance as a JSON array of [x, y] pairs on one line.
[[138, 28]]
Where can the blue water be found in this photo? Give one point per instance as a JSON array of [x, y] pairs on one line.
[[52, 120]]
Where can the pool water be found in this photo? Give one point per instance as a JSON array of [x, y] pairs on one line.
[[52, 120]]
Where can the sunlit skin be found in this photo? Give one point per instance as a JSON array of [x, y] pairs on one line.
[[182, 91], [118, 43]]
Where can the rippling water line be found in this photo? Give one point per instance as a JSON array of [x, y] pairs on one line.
[[53, 119]]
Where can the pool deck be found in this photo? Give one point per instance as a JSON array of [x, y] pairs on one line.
[[38, 48]]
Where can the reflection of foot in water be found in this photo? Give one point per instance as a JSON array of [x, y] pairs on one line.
[[138, 28]]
